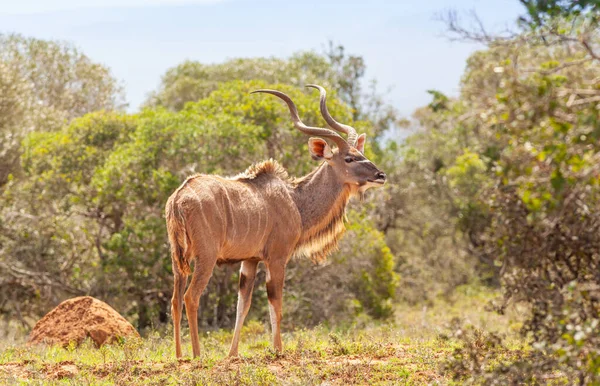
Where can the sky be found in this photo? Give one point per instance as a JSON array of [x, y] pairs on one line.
[[402, 42]]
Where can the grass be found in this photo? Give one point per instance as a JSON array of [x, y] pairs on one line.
[[409, 351]]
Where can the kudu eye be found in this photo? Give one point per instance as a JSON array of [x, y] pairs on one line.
[[348, 159]]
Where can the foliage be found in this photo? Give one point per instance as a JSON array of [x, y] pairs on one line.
[[522, 185], [44, 84], [47, 247], [424, 218], [191, 81], [358, 280], [540, 11], [377, 285]]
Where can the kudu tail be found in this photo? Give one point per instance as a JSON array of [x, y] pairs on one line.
[[178, 238]]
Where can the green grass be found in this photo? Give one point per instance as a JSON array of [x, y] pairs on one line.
[[410, 350]]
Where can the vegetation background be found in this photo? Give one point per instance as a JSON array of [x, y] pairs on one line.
[[493, 192]]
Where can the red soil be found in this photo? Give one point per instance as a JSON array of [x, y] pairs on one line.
[[79, 318]]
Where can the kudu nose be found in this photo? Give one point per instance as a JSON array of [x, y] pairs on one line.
[[380, 176]]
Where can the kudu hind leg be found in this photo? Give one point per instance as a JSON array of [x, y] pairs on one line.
[[275, 279], [247, 276], [177, 307], [203, 269]]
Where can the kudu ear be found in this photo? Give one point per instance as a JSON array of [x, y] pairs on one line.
[[360, 142], [319, 149]]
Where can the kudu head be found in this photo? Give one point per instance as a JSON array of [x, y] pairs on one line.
[[347, 160]]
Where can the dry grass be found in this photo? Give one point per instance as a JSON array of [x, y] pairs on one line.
[[409, 351]]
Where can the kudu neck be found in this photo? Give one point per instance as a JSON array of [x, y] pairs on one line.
[[320, 196]]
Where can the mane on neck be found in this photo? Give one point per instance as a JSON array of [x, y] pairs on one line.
[[268, 167], [322, 201]]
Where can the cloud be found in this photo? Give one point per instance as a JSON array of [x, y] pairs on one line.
[[41, 6]]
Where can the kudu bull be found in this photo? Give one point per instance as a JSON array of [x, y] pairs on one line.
[[262, 215]]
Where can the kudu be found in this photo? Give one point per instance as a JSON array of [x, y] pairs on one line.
[[262, 215]]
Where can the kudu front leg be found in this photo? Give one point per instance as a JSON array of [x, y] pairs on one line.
[[275, 279], [200, 277], [247, 276]]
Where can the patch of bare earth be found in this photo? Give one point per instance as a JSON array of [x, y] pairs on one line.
[[69, 369], [343, 369]]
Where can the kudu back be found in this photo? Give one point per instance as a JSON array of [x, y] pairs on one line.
[[263, 215]]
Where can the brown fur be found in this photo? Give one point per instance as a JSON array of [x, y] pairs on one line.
[[177, 234], [318, 237]]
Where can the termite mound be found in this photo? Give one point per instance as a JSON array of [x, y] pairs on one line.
[[79, 318]]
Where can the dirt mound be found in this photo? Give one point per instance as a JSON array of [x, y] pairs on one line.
[[76, 319]]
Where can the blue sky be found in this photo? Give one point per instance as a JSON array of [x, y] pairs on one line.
[[401, 41]]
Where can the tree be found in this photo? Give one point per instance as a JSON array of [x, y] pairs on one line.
[[191, 81], [49, 247], [13, 122], [540, 12], [44, 84], [526, 185]]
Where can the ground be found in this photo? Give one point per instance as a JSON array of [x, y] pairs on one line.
[[410, 350]]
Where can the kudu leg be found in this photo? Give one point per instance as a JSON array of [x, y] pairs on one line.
[[247, 276], [177, 307], [275, 278], [200, 278]]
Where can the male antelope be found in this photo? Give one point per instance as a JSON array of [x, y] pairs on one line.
[[262, 215]]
